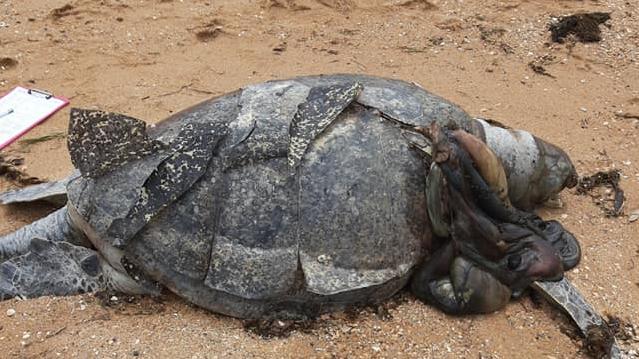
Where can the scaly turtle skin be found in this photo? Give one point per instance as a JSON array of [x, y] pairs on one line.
[[294, 197]]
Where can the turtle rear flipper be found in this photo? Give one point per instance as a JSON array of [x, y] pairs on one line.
[[51, 192], [564, 242], [592, 326]]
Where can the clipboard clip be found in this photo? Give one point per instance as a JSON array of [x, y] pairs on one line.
[[6, 113], [47, 95]]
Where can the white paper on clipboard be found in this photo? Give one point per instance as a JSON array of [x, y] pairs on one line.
[[23, 109]]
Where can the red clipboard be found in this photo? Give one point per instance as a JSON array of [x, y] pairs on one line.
[[22, 109]]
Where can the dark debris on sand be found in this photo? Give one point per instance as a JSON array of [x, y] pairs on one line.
[[623, 329], [584, 27], [9, 168], [63, 11], [126, 304], [7, 63], [209, 31], [612, 204], [279, 326], [598, 341]]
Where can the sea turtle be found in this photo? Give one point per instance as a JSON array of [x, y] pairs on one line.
[[296, 197]]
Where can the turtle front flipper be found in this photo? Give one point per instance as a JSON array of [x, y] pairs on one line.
[[48, 267], [51, 268], [56, 227], [52, 256]]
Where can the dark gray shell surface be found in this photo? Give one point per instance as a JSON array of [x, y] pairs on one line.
[[296, 196]]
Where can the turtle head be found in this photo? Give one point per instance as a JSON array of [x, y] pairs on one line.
[[556, 172]]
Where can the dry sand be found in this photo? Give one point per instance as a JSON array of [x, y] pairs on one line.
[[151, 58]]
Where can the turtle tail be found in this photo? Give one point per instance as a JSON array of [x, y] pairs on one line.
[[55, 227]]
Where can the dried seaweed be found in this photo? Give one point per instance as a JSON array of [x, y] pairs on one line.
[[421, 4], [281, 325], [491, 34], [584, 27], [66, 10], [599, 340], [609, 179], [539, 69], [36, 140], [209, 31], [9, 168], [279, 328], [131, 305], [628, 115], [209, 34], [623, 329]]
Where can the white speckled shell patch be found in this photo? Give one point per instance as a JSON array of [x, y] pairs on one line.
[[321, 108], [100, 142]]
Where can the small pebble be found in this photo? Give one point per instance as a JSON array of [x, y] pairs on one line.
[[634, 215], [11, 312], [554, 203]]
